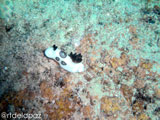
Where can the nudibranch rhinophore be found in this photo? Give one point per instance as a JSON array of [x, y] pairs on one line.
[[71, 62]]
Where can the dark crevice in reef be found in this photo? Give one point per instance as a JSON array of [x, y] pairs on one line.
[[141, 95]]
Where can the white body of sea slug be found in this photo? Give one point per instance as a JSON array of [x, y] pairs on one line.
[[65, 61]]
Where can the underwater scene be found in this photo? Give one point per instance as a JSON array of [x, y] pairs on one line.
[[80, 59]]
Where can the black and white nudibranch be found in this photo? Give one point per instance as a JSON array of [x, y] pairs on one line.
[[71, 62]]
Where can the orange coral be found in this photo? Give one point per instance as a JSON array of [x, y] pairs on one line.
[[109, 105], [143, 116], [132, 29], [86, 43], [127, 92], [87, 112], [65, 106], [157, 92], [139, 83], [46, 91], [116, 62], [134, 42], [16, 99], [137, 107], [146, 65]]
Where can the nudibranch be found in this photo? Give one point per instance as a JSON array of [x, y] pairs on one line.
[[71, 62]]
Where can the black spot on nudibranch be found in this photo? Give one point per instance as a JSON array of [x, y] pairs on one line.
[[57, 58], [77, 58], [62, 54], [54, 47], [63, 63]]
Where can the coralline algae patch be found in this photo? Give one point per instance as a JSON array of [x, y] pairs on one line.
[[16, 101], [119, 52]]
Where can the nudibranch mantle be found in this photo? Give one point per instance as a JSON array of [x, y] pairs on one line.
[[71, 62]]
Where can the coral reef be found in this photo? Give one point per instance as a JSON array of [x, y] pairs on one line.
[[117, 41]]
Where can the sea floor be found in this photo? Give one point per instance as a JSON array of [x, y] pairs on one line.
[[120, 44]]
